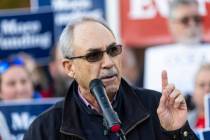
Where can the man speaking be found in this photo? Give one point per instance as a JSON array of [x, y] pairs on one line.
[[91, 52]]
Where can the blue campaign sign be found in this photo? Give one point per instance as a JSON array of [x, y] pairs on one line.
[[67, 10], [44, 3], [30, 32], [36, 4], [19, 115], [203, 134]]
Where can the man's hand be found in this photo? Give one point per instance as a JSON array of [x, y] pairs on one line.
[[172, 109]]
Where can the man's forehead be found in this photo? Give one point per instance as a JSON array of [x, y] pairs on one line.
[[181, 10], [87, 23], [93, 33], [89, 27]]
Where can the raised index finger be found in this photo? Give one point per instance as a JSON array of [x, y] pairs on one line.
[[164, 79]]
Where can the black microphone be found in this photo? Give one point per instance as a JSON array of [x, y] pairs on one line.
[[112, 120]]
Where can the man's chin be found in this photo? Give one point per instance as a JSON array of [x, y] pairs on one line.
[[112, 84], [191, 41], [112, 89]]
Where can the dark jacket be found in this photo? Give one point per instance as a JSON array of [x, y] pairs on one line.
[[138, 116]]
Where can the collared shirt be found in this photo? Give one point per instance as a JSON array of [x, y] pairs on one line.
[[90, 105], [85, 101]]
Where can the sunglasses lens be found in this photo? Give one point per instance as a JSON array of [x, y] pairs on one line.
[[185, 20], [114, 50], [94, 56], [197, 19]]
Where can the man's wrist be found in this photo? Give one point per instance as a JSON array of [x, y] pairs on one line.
[[184, 133]]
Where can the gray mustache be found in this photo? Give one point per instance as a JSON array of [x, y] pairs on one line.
[[109, 73]]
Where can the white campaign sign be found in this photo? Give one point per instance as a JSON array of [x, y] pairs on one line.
[[181, 63]]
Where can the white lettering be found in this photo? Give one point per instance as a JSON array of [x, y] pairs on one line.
[[26, 41], [162, 7], [59, 5], [17, 137], [64, 17], [21, 121], [142, 9], [13, 27]]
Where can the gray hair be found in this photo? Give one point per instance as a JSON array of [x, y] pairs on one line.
[[173, 4], [66, 38]]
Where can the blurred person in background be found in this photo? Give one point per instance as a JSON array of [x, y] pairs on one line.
[[130, 69], [202, 88], [15, 84], [37, 73], [185, 22], [15, 80], [60, 82], [185, 25]]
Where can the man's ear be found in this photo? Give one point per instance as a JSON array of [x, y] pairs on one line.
[[68, 67]]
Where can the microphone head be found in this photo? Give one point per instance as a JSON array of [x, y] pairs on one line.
[[95, 82]]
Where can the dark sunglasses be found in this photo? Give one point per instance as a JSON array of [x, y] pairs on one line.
[[6, 64], [96, 55], [186, 20]]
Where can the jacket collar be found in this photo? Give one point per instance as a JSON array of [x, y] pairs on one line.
[[70, 115], [132, 111]]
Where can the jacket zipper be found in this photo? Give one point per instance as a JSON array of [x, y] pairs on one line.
[[137, 123], [71, 134]]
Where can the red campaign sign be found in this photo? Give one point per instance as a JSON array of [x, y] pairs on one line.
[[143, 22]]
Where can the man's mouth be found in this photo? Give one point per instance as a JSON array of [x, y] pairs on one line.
[[108, 77]]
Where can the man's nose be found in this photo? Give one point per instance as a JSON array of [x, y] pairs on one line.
[[107, 61], [193, 23]]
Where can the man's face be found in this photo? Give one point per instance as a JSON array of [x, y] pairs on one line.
[[202, 87], [186, 24], [90, 37], [16, 84]]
